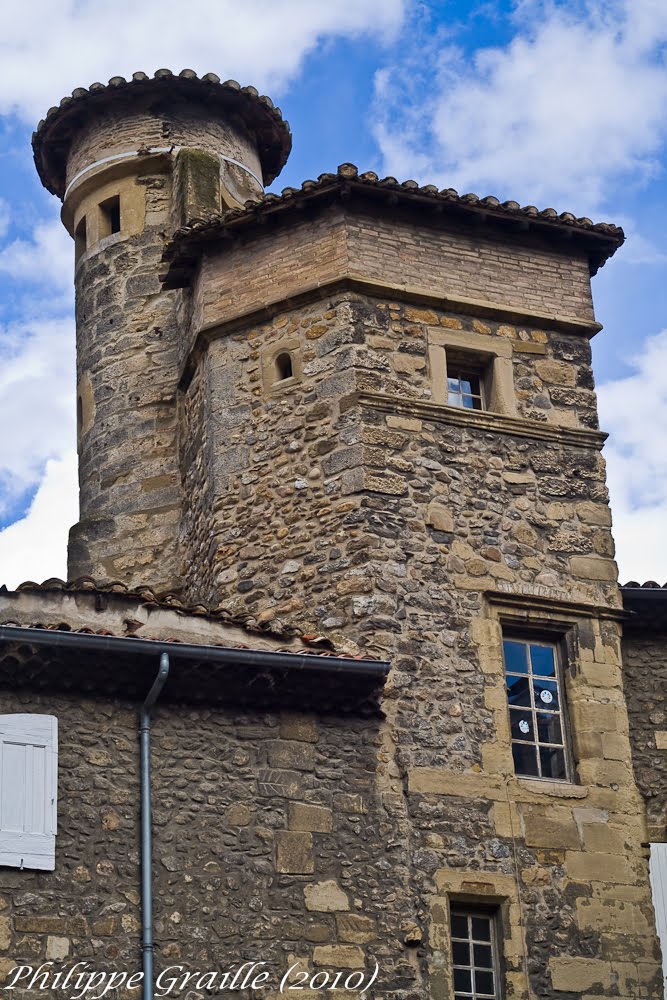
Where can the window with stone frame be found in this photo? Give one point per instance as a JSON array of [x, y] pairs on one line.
[[468, 380], [475, 953], [109, 221], [536, 702]]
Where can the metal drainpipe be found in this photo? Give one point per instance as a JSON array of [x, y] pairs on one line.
[[146, 827]]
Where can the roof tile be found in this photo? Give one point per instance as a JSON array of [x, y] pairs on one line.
[[180, 254]]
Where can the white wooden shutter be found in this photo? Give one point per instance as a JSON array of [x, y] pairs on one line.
[[28, 790], [658, 873]]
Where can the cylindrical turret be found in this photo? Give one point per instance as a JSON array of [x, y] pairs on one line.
[[132, 161]]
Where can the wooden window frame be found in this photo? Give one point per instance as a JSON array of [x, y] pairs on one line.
[[557, 643], [470, 911]]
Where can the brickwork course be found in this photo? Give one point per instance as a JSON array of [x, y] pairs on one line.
[[339, 509]]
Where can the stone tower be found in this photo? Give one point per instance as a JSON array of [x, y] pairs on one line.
[[368, 408], [133, 161]]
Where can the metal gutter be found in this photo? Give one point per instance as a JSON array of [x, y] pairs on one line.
[[304, 662], [641, 595], [146, 827]]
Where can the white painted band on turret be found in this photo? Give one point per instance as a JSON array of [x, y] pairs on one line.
[[146, 152]]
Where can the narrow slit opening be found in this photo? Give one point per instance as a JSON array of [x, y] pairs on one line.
[[80, 240], [284, 367], [110, 216]]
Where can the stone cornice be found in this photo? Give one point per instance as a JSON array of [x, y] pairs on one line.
[[497, 423], [541, 599]]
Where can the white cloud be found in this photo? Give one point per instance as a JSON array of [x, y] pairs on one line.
[[35, 547], [37, 404], [577, 101], [633, 410], [47, 259], [37, 400], [48, 47]]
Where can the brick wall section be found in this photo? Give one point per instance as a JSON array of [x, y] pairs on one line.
[[251, 272], [645, 677], [487, 265], [441, 258]]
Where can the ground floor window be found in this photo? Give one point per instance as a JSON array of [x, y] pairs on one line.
[[474, 954]]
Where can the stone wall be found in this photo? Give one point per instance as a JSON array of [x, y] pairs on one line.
[[645, 679], [350, 501], [275, 839], [338, 839], [375, 470], [126, 370]]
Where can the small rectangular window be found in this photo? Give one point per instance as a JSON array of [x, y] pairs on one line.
[[475, 967], [466, 377], [464, 388], [110, 216], [534, 682]]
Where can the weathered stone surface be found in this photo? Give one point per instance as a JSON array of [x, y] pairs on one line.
[[326, 897], [439, 517], [572, 975], [294, 853], [316, 819], [645, 685], [340, 956], [57, 948], [356, 929]]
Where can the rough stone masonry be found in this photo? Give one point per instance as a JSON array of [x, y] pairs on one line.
[[265, 427]]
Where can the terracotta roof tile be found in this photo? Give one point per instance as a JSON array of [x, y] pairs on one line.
[[275, 627], [52, 136], [326, 647], [185, 246]]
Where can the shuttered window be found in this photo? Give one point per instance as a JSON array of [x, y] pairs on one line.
[[28, 790]]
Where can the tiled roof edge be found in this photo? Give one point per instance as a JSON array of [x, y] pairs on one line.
[[221, 615], [182, 250], [268, 117]]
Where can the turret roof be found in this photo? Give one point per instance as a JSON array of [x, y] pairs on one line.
[[52, 138]]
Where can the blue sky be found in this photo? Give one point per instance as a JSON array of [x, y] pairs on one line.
[[560, 104]]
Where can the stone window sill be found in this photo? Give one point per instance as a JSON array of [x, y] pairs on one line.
[[556, 789]]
